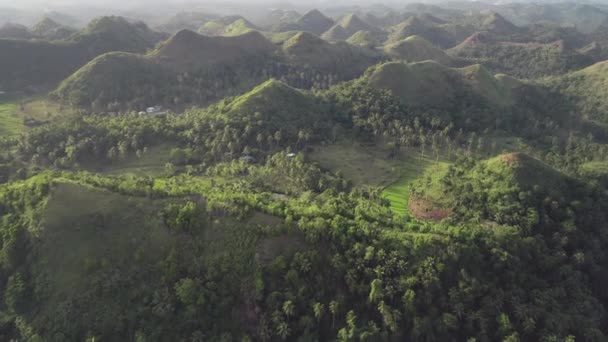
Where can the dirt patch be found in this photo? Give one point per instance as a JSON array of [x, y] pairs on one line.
[[511, 159], [424, 209]]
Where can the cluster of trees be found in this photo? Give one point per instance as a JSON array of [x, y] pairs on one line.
[[355, 271]]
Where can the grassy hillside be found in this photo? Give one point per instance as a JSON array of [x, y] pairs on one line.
[[494, 185], [15, 31], [414, 26], [187, 50], [48, 29], [339, 58], [37, 63], [186, 21], [313, 21], [416, 49], [527, 60], [434, 85], [10, 124], [364, 38], [348, 26], [227, 26], [585, 89]]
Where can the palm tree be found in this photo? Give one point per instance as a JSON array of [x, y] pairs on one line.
[[288, 308], [283, 330], [319, 310]]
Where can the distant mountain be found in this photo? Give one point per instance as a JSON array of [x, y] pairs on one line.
[[38, 63], [430, 84], [227, 26], [186, 21], [364, 39], [279, 17], [313, 21], [348, 26], [49, 29], [15, 31], [527, 60], [116, 34], [190, 68], [187, 50], [415, 26], [341, 58]]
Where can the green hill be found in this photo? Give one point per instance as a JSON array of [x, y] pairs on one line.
[[48, 29], [492, 188], [348, 26], [414, 26], [585, 89], [340, 58], [187, 50], [526, 60], [336, 33], [107, 34], [364, 39], [430, 84], [186, 21], [15, 31], [312, 21], [38, 63], [416, 49], [109, 255], [191, 68], [227, 26], [145, 80], [277, 18], [280, 108], [131, 76]]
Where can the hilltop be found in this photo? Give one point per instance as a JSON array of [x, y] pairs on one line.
[[140, 79], [23, 66], [585, 89], [312, 21], [364, 39], [15, 31], [227, 26], [113, 33], [491, 188], [186, 21], [49, 29], [527, 60], [187, 50], [415, 26], [431, 84], [340, 57], [416, 49], [348, 26], [280, 107]]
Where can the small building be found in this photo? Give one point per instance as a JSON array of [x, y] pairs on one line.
[[248, 159], [156, 110]]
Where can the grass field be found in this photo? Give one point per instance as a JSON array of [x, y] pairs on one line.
[[152, 163], [15, 111], [10, 123], [365, 165]]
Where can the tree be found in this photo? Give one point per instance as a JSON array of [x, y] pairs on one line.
[[288, 308], [319, 311]]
